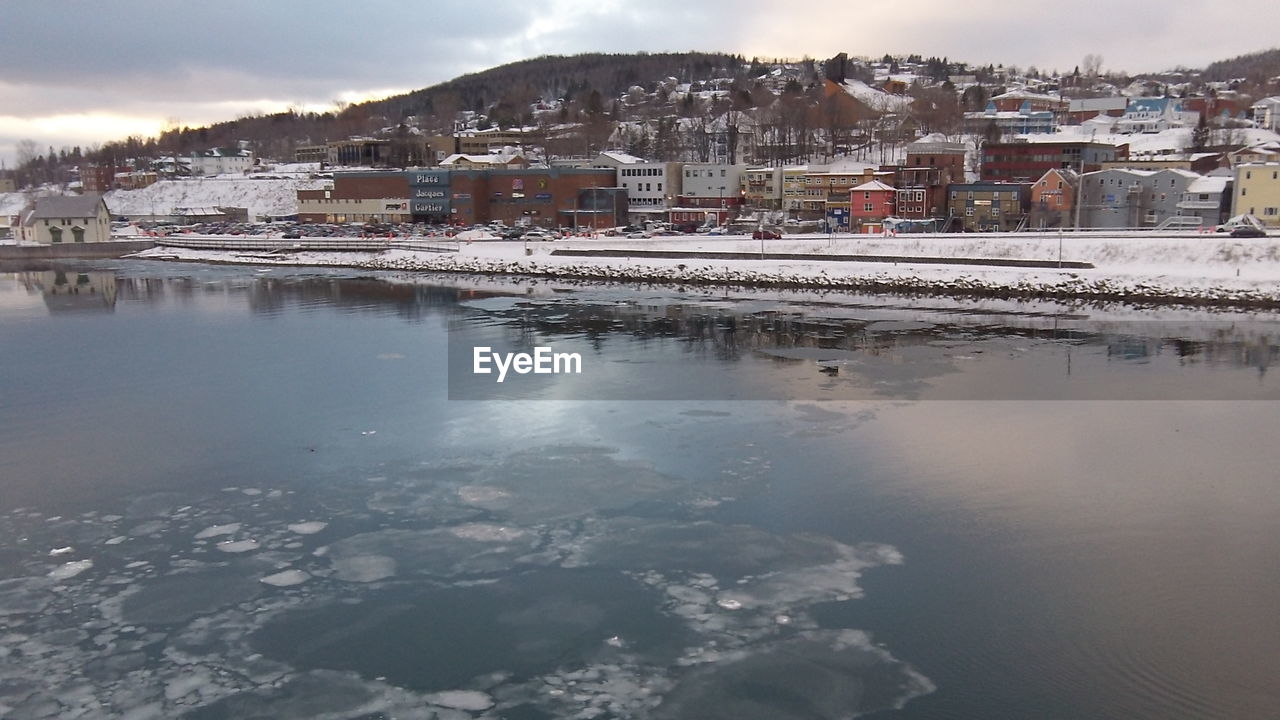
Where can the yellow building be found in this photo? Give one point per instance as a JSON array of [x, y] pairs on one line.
[[1257, 192]]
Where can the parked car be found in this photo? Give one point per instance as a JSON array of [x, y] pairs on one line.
[[766, 235], [537, 235], [1248, 231]]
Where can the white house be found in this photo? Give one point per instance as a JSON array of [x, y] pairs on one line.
[[222, 161], [1266, 113], [711, 181], [59, 219], [1155, 114]]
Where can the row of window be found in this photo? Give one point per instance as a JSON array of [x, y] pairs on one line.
[[1266, 212], [70, 221], [642, 172], [703, 173], [647, 187]]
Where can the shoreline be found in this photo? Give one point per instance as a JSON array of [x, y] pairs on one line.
[[914, 280]]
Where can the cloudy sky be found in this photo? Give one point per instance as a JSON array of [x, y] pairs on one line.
[[78, 72]]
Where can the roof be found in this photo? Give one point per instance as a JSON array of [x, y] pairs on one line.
[[623, 158], [874, 185], [67, 206], [1209, 184]]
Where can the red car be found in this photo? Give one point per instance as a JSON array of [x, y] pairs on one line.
[[766, 235]]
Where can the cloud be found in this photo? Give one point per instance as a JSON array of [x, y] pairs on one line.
[[152, 59]]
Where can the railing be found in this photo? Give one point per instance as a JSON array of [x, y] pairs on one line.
[[321, 244]]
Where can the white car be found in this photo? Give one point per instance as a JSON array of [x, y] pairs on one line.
[[537, 235]]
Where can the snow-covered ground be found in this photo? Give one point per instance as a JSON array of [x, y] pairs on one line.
[[1192, 269], [262, 196]]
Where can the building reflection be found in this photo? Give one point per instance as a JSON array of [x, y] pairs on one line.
[[66, 291]]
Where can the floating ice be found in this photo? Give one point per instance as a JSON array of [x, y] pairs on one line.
[[238, 546], [70, 570], [116, 540], [61, 551], [308, 528], [729, 604], [218, 530], [472, 700], [288, 578], [363, 568]]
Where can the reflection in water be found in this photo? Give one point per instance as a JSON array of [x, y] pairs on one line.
[[66, 292], [292, 520]]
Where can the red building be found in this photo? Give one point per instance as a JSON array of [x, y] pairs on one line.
[[99, 178], [869, 204], [1028, 161], [922, 182]]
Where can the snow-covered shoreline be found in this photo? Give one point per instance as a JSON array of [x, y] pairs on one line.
[[1204, 270]]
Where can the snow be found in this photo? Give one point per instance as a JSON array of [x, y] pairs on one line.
[[217, 531], [238, 546], [308, 528], [70, 570], [262, 196], [876, 99], [1172, 267], [462, 700], [287, 578]]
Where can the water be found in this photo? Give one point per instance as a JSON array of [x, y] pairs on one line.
[[748, 505]]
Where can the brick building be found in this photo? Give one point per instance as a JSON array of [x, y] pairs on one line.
[[1029, 161], [545, 197], [922, 182]]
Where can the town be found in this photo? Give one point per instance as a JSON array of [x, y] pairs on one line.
[[890, 145]]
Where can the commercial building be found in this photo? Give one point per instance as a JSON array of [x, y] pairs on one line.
[[546, 197], [1029, 161], [988, 206]]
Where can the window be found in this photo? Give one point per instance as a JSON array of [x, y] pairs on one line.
[[995, 212], [1271, 212], [968, 212], [55, 234], [78, 233], [869, 207]]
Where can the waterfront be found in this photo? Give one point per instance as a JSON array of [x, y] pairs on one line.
[[1042, 543]]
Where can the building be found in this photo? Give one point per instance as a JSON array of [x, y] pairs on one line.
[[922, 182], [1261, 153], [1257, 192], [651, 188], [1202, 162], [56, 219], [1053, 199], [1123, 198], [222, 161], [988, 206], [481, 142], [101, 177], [794, 188], [507, 160], [1207, 198], [1266, 113], [136, 180], [546, 197], [869, 204], [358, 197], [1025, 161], [1018, 100], [1152, 115], [691, 218], [1024, 121], [359, 152], [311, 153], [710, 185], [762, 187], [1080, 110]]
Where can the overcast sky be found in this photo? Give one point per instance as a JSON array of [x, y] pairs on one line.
[[78, 72]]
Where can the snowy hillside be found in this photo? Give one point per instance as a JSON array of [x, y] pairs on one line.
[[263, 197]]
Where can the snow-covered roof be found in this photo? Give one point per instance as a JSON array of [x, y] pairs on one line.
[[1211, 184], [66, 206], [622, 158], [873, 186]]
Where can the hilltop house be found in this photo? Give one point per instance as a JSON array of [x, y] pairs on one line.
[[66, 219]]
